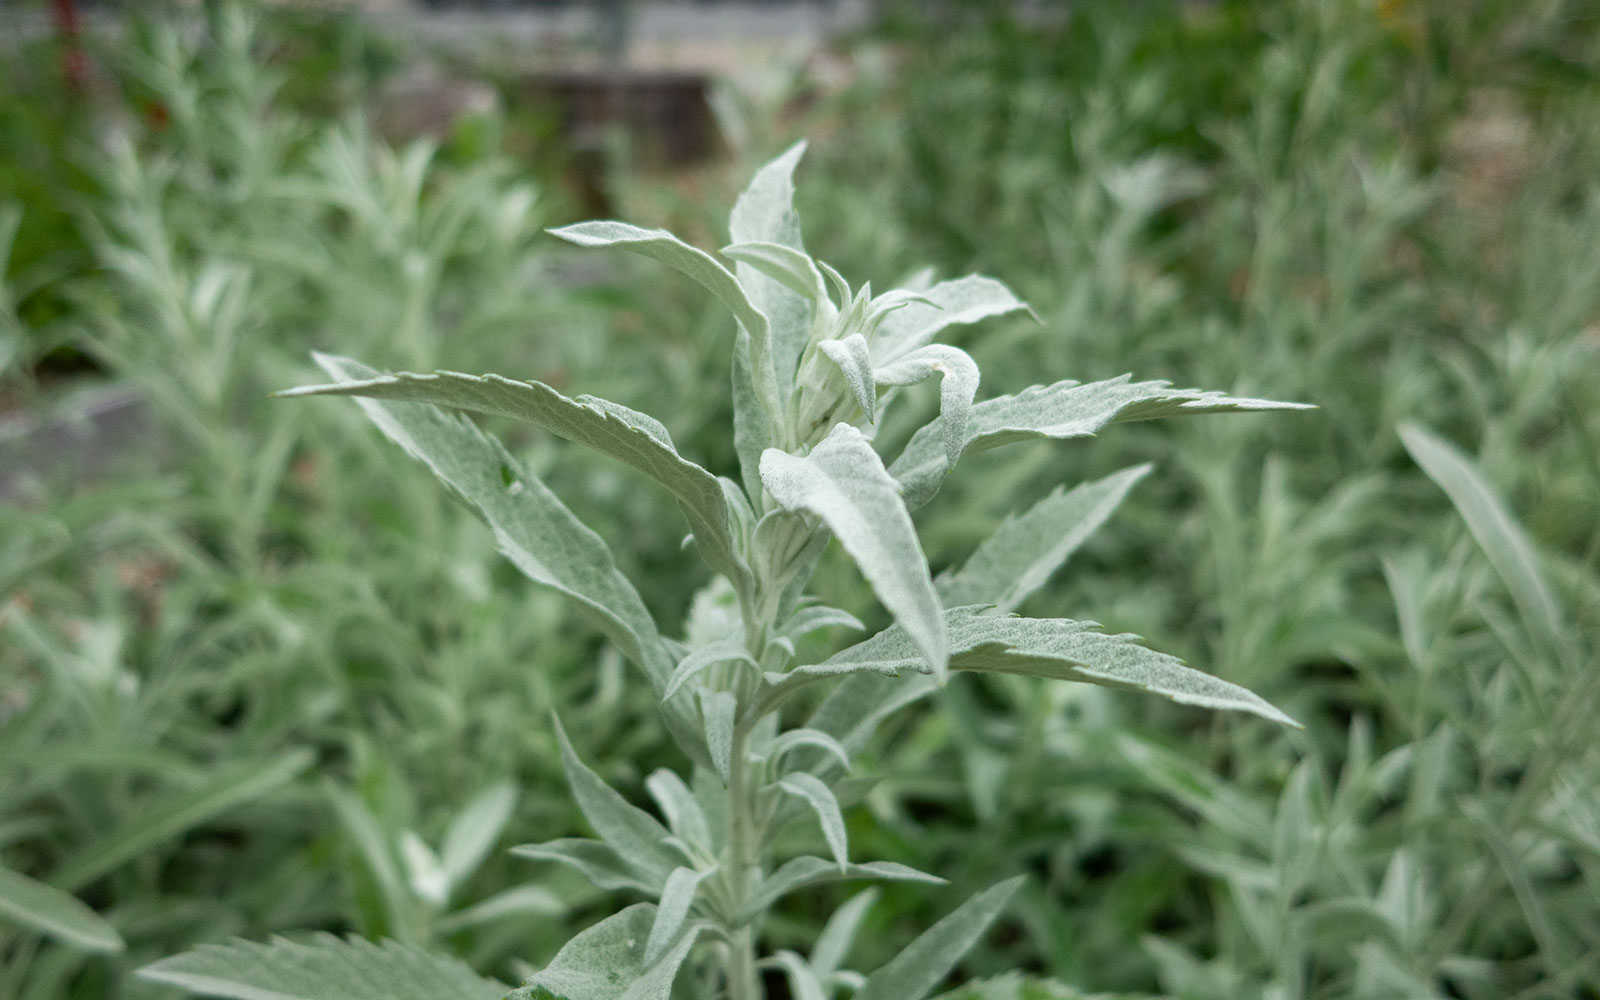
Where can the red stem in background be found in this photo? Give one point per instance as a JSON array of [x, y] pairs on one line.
[[69, 26]]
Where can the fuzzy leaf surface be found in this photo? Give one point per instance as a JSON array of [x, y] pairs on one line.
[[634, 834], [854, 362], [532, 527], [949, 303], [809, 870], [703, 268], [820, 798], [692, 262], [633, 438], [1022, 553], [595, 860], [61, 915], [1054, 648], [677, 896], [327, 968], [607, 962], [913, 974], [765, 215], [958, 387], [844, 483], [1061, 411]]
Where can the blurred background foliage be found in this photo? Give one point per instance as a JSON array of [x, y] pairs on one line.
[[257, 676]]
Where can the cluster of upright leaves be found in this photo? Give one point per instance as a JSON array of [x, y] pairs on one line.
[[815, 364]]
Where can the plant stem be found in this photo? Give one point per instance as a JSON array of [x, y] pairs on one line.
[[741, 967]]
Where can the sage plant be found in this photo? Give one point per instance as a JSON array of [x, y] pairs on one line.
[[815, 364]]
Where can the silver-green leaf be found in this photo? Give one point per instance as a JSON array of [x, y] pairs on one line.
[[949, 303], [677, 896], [701, 267], [326, 968], [1509, 549], [596, 861], [633, 833], [819, 797], [854, 362], [917, 970], [844, 483], [1061, 411], [958, 387], [61, 915], [1022, 553], [808, 870], [607, 962], [633, 438], [1054, 648]]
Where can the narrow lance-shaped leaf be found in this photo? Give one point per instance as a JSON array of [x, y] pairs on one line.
[[677, 896], [949, 303], [1502, 539], [703, 268], [803, 982], [765, 214], [806, 871], [531, 526], [820, 798], [473, 832], [633, 438], [717, 711], [685, 818], [809, 619], [1047, 647], [844, 483], [324, 969], [723, 651], [793, 269], [596, 861], [607, 962], [1061, 411], [833, 944], [1023, 552], [916, 971], [168, 817], [958, 387], [632, 832], [46, 909]]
